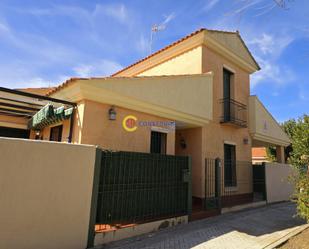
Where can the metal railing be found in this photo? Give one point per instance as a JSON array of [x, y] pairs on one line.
[[138, 187], [237, 183], [227, 184], [233, 112]]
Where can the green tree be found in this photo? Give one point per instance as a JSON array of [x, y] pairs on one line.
[[298, 131], [298, 155], [302, 195]]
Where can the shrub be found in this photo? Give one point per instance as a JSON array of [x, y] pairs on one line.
[[302, 186]]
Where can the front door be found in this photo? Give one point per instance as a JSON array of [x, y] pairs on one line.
[[230, 165], [56, 133]]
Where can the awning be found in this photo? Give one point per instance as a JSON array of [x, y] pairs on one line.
[[49, 115], [15, 103]]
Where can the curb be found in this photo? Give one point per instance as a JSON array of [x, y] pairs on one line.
[[286, 237]]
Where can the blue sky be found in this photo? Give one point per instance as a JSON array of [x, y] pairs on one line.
[[42, 43]]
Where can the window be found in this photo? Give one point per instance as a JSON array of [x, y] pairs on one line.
[[230, 165], [158, 142], [227, 76], [56, 133], [13, 132]]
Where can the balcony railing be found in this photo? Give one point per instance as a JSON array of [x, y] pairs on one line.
[[233, 112]]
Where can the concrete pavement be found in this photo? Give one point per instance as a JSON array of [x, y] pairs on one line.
[[250, 229]]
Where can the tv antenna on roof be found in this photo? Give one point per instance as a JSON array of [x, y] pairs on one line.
[[154, 29]]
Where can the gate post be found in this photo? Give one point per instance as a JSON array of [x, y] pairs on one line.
[[94, 197], [264, 182], [218, 182], [190, 187]]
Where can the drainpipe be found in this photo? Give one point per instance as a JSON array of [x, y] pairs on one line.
[[71, 125]]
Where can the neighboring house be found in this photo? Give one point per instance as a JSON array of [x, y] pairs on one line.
[[259, 155], [17, 107], [201, 82]]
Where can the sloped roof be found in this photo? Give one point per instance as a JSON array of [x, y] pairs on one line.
[[263, 127], [39, 90], [184, 98], [234, 42], [217, 34], [220, 34]]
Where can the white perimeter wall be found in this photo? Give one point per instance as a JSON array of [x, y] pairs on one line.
[[45, 194], [278, 185]]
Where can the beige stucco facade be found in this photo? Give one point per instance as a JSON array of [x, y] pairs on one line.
[[13, 122], [98, 129], [149, 99], [92, 126], [193, 89], [208, 140], [183, 83], [185, 98], [45, 195], [189, 62]]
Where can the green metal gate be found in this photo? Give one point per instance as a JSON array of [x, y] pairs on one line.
[[259, 185], [138, 187]]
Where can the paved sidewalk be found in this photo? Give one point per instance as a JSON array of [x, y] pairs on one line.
[[249, 229]]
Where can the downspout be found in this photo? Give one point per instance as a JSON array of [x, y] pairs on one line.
[[71, 125]]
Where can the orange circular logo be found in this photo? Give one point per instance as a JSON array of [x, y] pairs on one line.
[[129, 123]]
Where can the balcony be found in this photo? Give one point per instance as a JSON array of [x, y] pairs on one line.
[[233, 112]]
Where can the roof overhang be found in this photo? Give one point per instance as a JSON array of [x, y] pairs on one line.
[[203, 37], [183, 98], [20, 106], [264, 129], [229, 54]]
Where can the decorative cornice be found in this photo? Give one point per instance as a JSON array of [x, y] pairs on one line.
[[109, 97], [220, 49], [268, 139], [198, 38]]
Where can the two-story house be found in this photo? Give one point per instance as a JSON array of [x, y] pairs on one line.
[[189, 98]]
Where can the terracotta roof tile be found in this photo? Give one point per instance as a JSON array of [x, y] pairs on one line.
[[39, 90], [71, 80], [161, 50], [183, 39]]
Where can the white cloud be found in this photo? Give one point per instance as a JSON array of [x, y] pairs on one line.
[[38, 82], [98, 69], [116, 11], [210, 5], [265, 43], [271, 72], [4, 28], [143, 44], [27, 81], [119, 12], [303, 93], [267, 49], [271, 44], [168, 18]]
